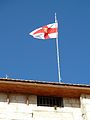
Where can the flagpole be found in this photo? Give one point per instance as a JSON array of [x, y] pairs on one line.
[[57, 47]]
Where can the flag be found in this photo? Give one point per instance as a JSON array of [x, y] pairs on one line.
[[46, 32]]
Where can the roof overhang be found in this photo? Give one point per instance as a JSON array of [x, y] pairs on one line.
[[43, 88]]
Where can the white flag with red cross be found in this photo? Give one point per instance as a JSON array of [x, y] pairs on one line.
[[46, 32]]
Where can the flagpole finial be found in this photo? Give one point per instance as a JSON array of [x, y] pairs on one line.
[[55, 17]]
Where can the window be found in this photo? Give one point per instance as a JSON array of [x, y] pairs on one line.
[[49, 101]]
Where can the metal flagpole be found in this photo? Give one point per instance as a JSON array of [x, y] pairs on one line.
[[57, 47]]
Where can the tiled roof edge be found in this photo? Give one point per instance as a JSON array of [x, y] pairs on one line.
[[44, 82]]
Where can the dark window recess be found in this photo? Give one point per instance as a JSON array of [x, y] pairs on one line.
[[49, 101]]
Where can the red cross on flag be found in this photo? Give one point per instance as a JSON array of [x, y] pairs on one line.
[[46, 32]]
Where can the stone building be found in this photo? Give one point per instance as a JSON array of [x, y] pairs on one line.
[[34, 100]]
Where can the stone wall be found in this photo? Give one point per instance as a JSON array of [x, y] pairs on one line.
[[85, 106], [24, 107]]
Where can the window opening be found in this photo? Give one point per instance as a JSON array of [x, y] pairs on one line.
[[49, 101]]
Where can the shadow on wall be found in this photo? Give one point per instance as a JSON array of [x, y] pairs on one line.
[[15, 98], [71, 102]]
